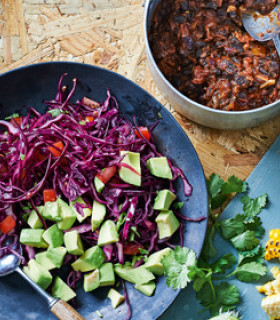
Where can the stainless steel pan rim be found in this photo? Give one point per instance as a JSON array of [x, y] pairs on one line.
[[197, 112]]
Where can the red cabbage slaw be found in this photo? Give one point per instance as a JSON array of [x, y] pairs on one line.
[[27, 167]]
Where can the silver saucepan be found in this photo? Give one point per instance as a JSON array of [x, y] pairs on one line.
[[197, 112]]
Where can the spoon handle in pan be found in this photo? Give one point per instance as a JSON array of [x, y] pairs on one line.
[[61, 309], [276, 41]]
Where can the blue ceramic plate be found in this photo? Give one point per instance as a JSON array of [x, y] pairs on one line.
[[30, 86]]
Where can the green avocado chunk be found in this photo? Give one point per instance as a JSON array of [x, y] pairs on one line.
[[43, 260], [90, 260], [51, 211], [167, 224], [53, 236], [91, 281], [164, 199], [147, 288], [108, 233], [68, 215], [115, 297], [33, 220], [33, 238], [159, 167], [86, 211], [99, 185], [38, 274], [61, 290], [56, 255], [154, 261], [73, 243], [126, 174], [107, 275], [98, 214], [139, 275]]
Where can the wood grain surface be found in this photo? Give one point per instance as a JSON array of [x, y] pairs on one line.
[[109, 33]]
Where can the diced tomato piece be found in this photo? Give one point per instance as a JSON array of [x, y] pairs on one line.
[[106, 174], [23, 173], [131, 249], [89, 118], [49, 195], [39, 156], [7, 224], [17, 120], [145, 133], [56, 149]]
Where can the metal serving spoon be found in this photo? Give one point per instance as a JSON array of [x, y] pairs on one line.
[[10, 263], [263, 27]]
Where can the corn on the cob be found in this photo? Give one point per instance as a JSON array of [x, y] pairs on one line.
[[272, 248], [271, 305]]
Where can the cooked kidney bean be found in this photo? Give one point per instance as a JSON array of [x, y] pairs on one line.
[[203, 50]]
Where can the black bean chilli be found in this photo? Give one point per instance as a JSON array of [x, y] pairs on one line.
[[203, 50]]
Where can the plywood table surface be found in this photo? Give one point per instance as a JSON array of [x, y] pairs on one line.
[[109, 34]]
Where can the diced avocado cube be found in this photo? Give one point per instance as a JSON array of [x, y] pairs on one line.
[[90, 260], [86, 211], [33, 238], [164, 199], [61, 290], [107, 233], [98, 214], [122, 272], [53, 236], [140, 275], [147, 288], [91, 281], [33, 220], [167, 224], [68, 215], [73, 243], [133, 160], [51, 211], [38, 274], [115, 297], [107, 275], [154, 262], [56, 255], [43, 260], [99, 185], [159, 167]]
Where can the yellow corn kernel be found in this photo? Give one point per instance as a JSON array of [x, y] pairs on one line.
[[274, 234], [275, 272], [270, 288]]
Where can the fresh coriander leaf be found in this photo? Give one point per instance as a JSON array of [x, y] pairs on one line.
[[245, 240], [250, 271], [14, 115], [233, 226], [218, 201], [22, 157], [200, 277], [252, 207], [205, 295], [159, 115], [227, 294], [255, 224], [209, 250], [178, 205], [256, 255], [234, 185], [215, 184], [225, 262], [176, 266]]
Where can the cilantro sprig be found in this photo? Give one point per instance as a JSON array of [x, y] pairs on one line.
[[242, 231]]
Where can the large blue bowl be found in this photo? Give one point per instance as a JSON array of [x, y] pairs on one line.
[[29, 86]]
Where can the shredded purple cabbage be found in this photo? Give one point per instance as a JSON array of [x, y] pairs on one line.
[[93, 134]]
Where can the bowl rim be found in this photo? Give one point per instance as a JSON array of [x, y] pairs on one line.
[[182, 96]]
